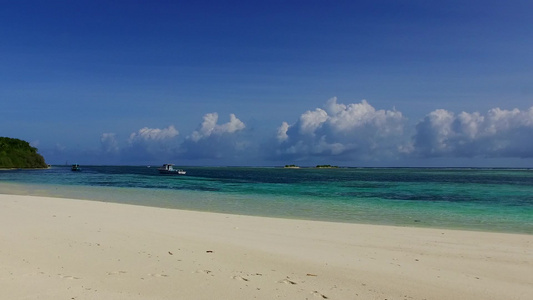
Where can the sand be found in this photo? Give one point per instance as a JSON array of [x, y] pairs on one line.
[[53, 248]]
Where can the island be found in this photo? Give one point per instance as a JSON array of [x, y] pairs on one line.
[[326, 167], [291, 167], [18, 154]]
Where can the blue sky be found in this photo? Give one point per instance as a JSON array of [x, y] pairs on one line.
[[352, 83]]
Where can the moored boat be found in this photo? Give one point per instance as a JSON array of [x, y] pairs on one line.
[[169, 169]]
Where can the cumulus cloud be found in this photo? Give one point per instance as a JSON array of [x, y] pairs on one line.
[[212, 140], [282, 132], [151, 144], [310, 121], [350, 131], [153, 134], [210, 127], [351, 134], [499, 133]]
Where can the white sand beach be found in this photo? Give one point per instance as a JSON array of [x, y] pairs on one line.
[[52, 248]]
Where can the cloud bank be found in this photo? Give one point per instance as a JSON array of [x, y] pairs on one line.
[[350, 134], [499, 133]]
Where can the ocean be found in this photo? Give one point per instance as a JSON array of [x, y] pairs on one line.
[[497, 200]]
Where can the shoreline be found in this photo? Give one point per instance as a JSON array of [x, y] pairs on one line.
[[142, 197], [57, 248]]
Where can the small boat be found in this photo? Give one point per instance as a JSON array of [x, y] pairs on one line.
[[169, 169], [75, 167]]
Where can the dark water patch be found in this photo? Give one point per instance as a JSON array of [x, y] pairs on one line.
[[366, 185], [427, 197]]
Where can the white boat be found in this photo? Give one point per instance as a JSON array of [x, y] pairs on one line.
[[169, 169]]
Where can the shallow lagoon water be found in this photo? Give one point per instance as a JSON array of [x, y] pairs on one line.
[[472, 199]]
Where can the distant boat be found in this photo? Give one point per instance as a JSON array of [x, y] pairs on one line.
[[169, 169], [75, 167]]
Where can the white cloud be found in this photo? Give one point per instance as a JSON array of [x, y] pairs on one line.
[[347, 133], [345, 118], [210, 127], [352, 131], [207, 127], [212, 140], [153, 134], [282, 132], [499, 133], [232, 126], [311, 121], [150, 144], [109, 143]]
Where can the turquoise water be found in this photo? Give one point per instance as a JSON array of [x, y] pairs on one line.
[[472, 199]]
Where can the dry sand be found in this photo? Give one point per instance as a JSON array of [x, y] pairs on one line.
[[54, 248]]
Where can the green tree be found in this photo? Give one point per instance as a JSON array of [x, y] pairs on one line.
[[15, 153]]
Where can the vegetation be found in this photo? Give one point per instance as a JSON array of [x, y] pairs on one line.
[[292, 166], [326, 166], [15, 153]]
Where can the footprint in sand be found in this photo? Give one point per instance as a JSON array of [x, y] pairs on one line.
[[287, 281], [67, 276], [317, 294], [157, 275], [240, 278], [116, 273]]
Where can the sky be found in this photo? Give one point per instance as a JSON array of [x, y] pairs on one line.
[[268, 83]]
